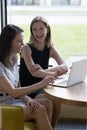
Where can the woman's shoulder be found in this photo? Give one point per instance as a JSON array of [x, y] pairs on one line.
[[53, 51], [1, 65], [52, 47], [26, 50], [26, 47]]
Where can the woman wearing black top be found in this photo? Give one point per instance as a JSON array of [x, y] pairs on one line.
[[35, 59]]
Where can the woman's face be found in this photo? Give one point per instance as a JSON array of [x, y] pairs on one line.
[[17, 43], [39, 31]]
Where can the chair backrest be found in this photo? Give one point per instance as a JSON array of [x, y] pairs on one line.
[[12, 118], [0, 120]]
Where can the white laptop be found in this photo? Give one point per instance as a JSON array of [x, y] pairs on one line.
[[76, 75]]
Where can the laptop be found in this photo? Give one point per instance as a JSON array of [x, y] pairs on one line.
[[76, 74]]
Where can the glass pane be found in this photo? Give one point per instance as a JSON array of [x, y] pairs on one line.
[[17, 2], [66, 2], [74, 2], [68, 22]]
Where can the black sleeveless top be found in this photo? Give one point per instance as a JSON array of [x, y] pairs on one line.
[[39, 57]]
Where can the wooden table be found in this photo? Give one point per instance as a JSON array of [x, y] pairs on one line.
[[74, 95]]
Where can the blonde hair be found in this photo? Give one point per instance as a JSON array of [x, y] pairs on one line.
[[48, 37]]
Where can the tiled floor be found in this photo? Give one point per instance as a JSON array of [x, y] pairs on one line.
[[71, 125]]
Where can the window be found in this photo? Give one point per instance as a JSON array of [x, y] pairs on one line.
[[0, 16], [68, 20], [66, 2], [3, 13], [16, 2]]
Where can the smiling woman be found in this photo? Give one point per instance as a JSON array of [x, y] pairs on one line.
[[37, 54], [11, 41]]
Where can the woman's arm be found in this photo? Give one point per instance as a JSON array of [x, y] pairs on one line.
[[56, 56], [62, 67], [7, 87], [36, 69]]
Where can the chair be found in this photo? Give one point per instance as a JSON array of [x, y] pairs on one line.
[[13, 119]]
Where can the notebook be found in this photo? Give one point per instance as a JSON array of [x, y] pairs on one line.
[[76, 74]]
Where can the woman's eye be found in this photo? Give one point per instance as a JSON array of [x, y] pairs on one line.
[[20, 41], [34, 29], [41, 28]]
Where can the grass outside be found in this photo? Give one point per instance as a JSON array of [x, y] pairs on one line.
[[68, 39], [25, 12]]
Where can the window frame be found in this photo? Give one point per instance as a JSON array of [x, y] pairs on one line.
[[3, 13]]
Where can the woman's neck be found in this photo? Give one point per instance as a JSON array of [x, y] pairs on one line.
[[40, 46]]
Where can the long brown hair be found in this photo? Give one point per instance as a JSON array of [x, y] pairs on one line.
[[7, 35]]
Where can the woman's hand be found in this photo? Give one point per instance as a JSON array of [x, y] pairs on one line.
[[47, 80], [32, 104], [60, 70]]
